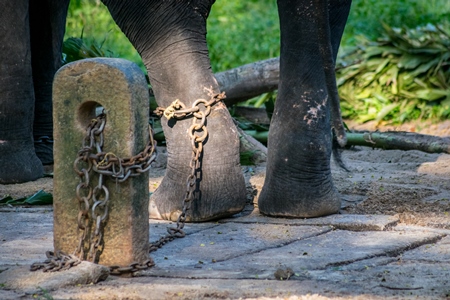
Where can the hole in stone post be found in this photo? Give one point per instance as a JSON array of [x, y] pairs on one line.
[[89, 110]]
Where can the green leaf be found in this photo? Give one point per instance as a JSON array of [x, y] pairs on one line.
[[382, 65], [431, 94], [385, 111], [380, 51], [246, 158], [16, 201], [425, 67], [40, 198], [409, 61], [6, 199]]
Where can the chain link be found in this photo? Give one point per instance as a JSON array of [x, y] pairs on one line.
[[198, 134], [93, 208], [56, 262], [133, 267], [121, 169]]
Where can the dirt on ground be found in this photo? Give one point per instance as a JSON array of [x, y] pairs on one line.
[[413, 184]]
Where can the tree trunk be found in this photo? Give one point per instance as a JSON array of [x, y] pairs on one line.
[[400, 141], [249, 80]]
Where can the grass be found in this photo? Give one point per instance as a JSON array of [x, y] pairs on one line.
[[241, 32], [366, 16], [91, 20]]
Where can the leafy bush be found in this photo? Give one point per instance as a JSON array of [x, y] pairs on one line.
[[244, 31], [405, 75], [241, 32], [77, 48], [91, 21], [366, 16]]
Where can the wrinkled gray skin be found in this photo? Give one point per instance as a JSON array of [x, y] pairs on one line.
[[29, 55], [170, 37]]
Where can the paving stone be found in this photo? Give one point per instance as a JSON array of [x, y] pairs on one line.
[[158, 228], [400, 279], [343, 221], [334, 249], [25, 237], [175, 288], [361, 288], [316, 251], [21, 278], [404, 262], [435, 252], [228, 241]]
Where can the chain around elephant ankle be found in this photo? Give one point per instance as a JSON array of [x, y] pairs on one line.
[[178, 109], [198, 134]]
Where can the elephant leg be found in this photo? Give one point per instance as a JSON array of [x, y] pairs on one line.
[[338, 13], [170, 37], [18, 160], [298, 179], [47, 26]]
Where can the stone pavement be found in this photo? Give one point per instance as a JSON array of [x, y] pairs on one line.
[[335, 257]]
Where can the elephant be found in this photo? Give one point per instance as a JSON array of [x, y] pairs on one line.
[[170, 36], [29, 30]]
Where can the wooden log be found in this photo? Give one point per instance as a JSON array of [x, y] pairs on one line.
[[400, 141], [248, 81]]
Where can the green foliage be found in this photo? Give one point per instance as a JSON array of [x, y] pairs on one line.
[[246, 158], [77, 48], [405, 75], [366, 16], [245, 31], [91, 21], [39, 198], [241, 32]]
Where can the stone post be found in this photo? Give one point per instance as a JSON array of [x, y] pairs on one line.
[[120, 88]]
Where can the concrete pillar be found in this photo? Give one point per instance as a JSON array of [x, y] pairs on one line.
[[120, 88]]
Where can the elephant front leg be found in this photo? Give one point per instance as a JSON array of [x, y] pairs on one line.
[[298, 178], [170, 37]]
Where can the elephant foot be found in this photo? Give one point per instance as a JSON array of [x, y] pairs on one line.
[[216, 202], [219, 188], [43, 147], [282, 197], [18, 162], [298, 181]]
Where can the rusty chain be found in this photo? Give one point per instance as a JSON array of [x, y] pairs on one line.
[[121, 169], [93, 202], [58, 261], [198, 133]]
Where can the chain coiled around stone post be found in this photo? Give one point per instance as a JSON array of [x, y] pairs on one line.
[[121, 169], [198, 134], [93, 202]]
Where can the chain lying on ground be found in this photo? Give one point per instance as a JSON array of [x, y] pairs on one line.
[[198, 133], [91, 157], [58, 261]]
